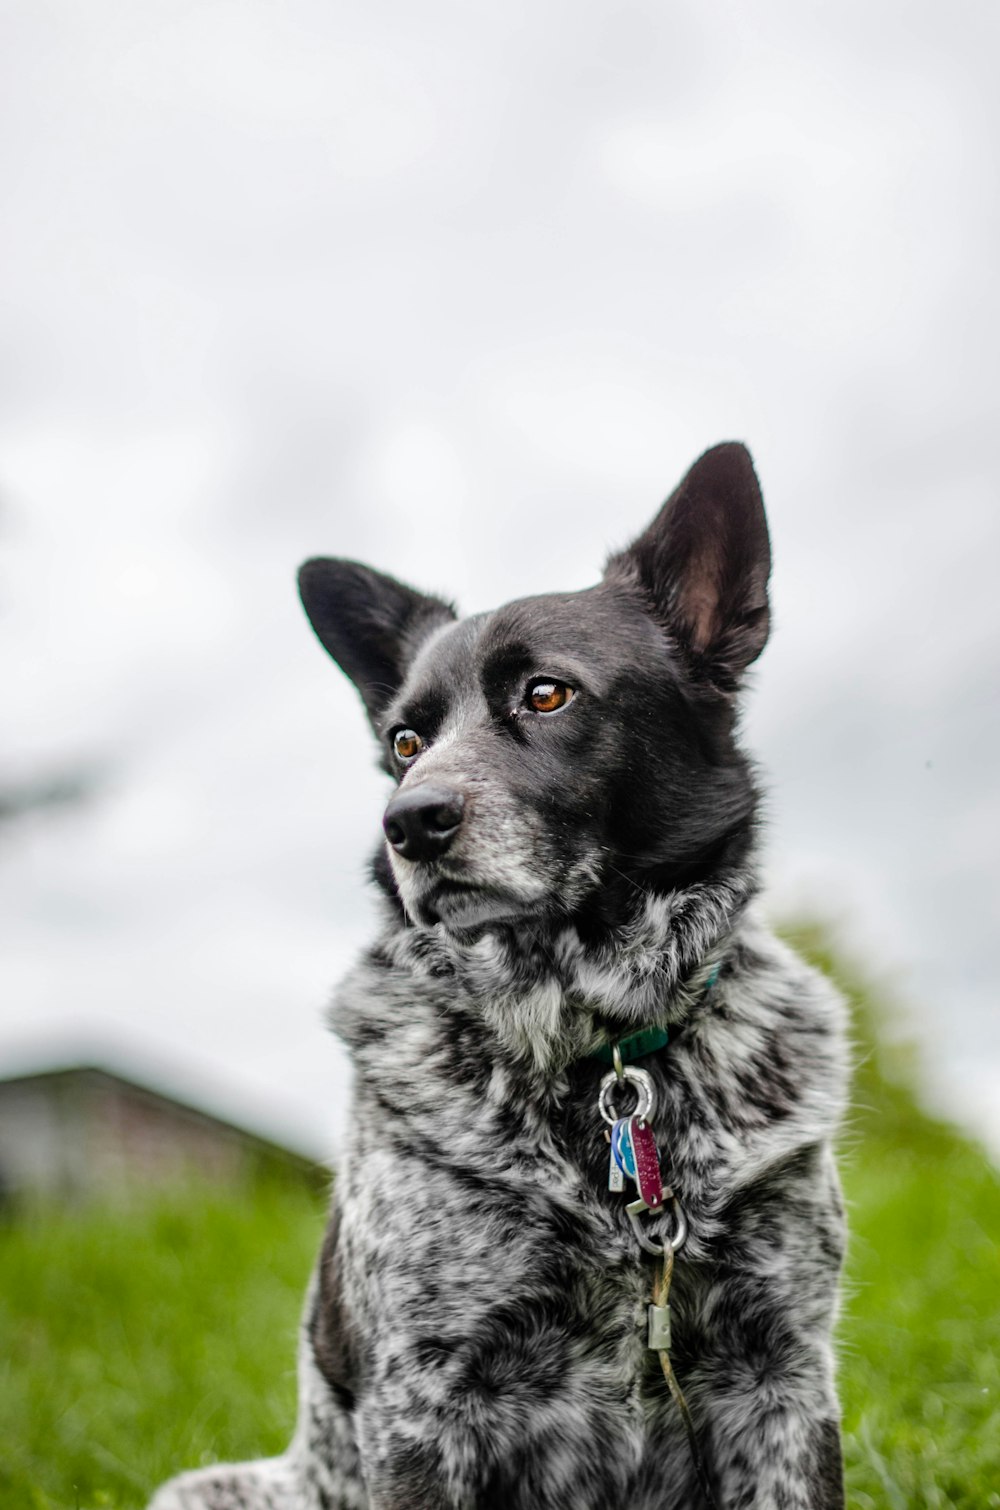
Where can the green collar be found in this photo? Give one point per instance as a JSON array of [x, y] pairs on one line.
[[638, 1045]]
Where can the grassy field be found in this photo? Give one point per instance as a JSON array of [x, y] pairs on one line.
[[920, 1336], [124, 1354]]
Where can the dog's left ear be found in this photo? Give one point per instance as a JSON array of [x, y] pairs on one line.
[[704, 562], [370, 623]]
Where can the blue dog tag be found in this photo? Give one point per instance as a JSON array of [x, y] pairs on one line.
[[616, 1158], [621, 1142], [616, 1169]]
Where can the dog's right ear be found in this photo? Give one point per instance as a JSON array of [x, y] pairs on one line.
[[703, 565], [370, 623]]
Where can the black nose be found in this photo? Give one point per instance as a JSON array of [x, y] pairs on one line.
[[421, 823]]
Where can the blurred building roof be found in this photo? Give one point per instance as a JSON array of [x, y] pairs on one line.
[[85, 1130]]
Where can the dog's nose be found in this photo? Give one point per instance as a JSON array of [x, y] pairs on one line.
[[421, 823]]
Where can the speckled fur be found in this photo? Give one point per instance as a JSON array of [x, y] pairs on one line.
[[474, 1332]]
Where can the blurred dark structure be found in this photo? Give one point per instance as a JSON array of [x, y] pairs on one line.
[[82, 1132], [62, 789]]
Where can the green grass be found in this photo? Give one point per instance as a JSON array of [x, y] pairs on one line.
[[139, 1339], [920, 1334]]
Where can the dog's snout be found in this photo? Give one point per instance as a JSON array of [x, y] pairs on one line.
[[421, 823]]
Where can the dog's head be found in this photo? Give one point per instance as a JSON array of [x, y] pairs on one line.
[[557, 753]]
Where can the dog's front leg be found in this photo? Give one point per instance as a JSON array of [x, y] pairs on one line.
[[773, 1443], [764, 1386], [768, 1400], [415, 1483]]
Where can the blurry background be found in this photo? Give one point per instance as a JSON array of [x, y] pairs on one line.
[[462, 290]]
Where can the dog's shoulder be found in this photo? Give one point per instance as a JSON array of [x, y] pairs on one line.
[[770, 1044]]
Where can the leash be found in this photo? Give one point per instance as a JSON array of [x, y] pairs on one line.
[[634, 1157], [659, 1331]]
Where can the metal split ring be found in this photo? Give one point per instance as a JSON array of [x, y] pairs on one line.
[[635, 1211], [643, 1082]]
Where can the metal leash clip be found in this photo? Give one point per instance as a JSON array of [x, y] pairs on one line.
[[636, 1210]]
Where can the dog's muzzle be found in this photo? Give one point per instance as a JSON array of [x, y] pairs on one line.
[[421, 823]]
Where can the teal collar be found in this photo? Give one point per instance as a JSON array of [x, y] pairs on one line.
[[648, 1041]]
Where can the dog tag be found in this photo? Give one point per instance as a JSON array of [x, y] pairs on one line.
[[616, 1169], [621, 1141], [647, 1163]]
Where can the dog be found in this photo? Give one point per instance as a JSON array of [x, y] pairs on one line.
[[568, 872]]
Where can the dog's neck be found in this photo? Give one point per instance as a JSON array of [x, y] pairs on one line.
[[555, 998], [549, 995]]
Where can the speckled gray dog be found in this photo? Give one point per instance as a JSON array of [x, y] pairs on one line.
[[569, 858]]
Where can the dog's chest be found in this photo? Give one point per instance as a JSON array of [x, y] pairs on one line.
[[485, 1250], [492, 1281], [482, 1210], [492, 1276]]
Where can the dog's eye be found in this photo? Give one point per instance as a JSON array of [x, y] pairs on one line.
[[549, 697], [407, 743]]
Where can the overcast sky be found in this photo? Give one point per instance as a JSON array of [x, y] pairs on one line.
[[462, 290]]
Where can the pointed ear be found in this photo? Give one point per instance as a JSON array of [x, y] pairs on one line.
[[704, 562], [370, 623]]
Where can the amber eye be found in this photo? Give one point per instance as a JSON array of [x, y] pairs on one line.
[[549, 697], [407, 743]]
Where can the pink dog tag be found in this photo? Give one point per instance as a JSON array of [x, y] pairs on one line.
[[647, 1163]]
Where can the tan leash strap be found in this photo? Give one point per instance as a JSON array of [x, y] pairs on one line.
[[659, 1327]]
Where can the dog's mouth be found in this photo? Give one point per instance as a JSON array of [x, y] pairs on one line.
[[469, 911]]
